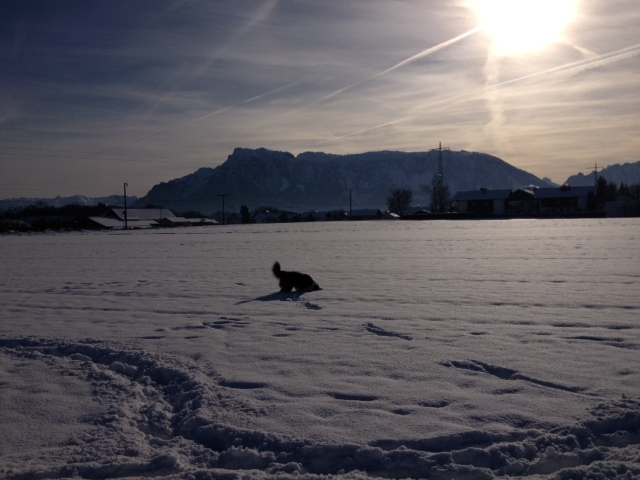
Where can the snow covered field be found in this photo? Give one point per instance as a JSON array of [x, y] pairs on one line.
[[443, 349]]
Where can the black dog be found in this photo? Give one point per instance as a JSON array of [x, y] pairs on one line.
[[290, 280]]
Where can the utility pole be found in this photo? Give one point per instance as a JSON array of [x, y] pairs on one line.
[[223, 195], [350, 205], [125, 206]]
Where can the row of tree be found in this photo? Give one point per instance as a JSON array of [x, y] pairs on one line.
[[609, 192]]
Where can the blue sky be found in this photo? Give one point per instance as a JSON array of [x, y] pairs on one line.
[[97, 93]]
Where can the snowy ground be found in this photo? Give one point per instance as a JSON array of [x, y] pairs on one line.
[[466, 350]]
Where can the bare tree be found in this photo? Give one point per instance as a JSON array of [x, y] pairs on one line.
[[399, 199], [439, 194]]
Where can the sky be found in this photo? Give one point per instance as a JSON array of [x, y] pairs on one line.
[[95, 94]]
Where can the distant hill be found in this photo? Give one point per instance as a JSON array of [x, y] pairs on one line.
[[113, 200], [628, 173], [321, 181]]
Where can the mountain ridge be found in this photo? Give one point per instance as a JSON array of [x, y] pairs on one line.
[[628, 173], [59, 201], [259, 177], [318, 180]]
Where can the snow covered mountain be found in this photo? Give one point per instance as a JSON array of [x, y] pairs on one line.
[[628, 173], [321, 181]]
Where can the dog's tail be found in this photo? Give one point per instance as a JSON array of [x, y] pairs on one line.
[[276, 270]]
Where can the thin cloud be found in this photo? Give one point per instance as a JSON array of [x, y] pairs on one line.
[[567, 69], [418, 56]]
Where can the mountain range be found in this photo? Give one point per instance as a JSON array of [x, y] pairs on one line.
[[321, 181], [627, 173], [57, 202]]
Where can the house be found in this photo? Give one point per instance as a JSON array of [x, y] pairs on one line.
[[522, 202], [313, 216], [421, 213], [185, 222], [565, 200], [142, 214], [337, 215], [137, 218], [483, 202], [103, 223], [366, 214]]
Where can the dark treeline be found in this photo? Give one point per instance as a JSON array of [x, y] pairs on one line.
[[610, 192], [41, 216]]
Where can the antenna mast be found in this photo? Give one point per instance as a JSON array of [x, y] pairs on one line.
[[595, 175], [439, 192]]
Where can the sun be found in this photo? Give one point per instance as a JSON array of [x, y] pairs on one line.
[[523, 26]]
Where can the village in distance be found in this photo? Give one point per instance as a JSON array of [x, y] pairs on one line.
[[419, 199]]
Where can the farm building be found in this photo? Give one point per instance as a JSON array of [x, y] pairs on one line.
[[483, 202], [137, 218]]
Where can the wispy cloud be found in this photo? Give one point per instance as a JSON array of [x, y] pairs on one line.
[[407, 61], [159, 89]]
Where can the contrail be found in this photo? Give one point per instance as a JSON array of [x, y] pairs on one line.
[[428, 52], [407, 61], [258, 16], [276, 90], [568, 68], [382, 125], [579, 66]]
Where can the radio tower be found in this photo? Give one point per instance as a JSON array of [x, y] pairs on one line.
[[595, 175], [439, 191]]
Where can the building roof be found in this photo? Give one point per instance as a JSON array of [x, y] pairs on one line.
[[523, 194], [140, 213], [108, 222], [482, 194], [182, 221], [564, 192]]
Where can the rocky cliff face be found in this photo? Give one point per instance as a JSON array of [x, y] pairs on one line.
[[321, 181]]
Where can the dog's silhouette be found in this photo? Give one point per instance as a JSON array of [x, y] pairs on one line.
[[293, 280]]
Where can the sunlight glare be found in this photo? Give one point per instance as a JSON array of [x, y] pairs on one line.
[[523, 26]]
